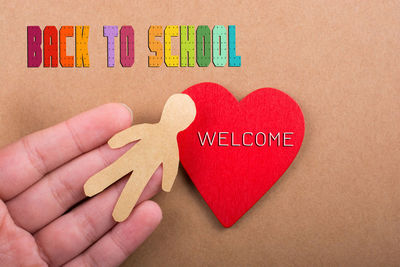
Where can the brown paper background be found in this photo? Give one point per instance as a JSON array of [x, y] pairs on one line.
[[338, 204]]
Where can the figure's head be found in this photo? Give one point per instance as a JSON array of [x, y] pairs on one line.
[[179, 112]]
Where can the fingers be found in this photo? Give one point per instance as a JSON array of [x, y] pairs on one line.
[[123, 239], [27, 160], [59, 190], [17, 247], [69, 235]]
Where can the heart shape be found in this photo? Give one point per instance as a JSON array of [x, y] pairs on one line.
[[242, 156]]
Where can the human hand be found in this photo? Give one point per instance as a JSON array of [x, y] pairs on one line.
[[43, 220]]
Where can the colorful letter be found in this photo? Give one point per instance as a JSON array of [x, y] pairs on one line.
[[187, 46], [219, 46], [127, 46], [81, 46], [50, 46], [155, 46], [34, 36], [65, 61], [170, 31], [110, 32], [203, 46], [234, 61]]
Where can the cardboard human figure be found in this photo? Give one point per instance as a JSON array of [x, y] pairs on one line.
[[157, 145]]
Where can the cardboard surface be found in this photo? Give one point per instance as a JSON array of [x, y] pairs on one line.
[[340, 60]]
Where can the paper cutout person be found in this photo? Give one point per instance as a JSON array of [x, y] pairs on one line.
[[157, 145]]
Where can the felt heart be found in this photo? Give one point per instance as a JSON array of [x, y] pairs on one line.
[[234, 151]]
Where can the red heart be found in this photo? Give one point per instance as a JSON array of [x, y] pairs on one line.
[[231, 178]]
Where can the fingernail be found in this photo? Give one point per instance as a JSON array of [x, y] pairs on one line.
[[130, 111]]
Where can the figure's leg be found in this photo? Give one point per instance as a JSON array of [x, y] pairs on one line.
[[108, 175], [131, 192]]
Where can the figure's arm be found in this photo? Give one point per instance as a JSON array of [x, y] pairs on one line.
[[129, 135], [170, 169]]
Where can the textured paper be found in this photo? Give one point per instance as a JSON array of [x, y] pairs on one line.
[[127, 46], [110, 32], [81, 46], [170, 32], [203, 48], [338, 203], [155, 46], [188, 43], [220, 45], [66, 60], [50, 46]]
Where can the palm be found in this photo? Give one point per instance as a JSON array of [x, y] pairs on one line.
[[42, 177], [18, 247]]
